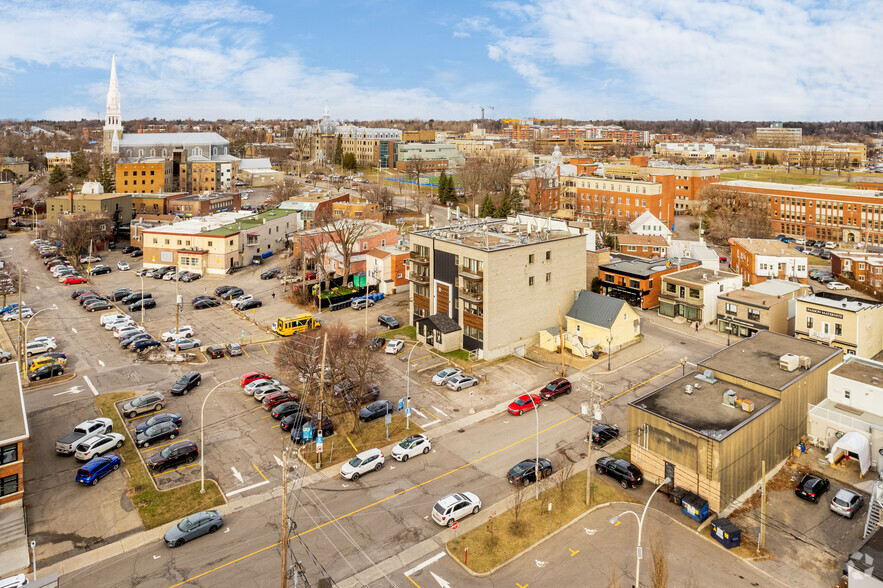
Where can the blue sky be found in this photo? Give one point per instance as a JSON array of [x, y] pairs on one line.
[[374, 59]]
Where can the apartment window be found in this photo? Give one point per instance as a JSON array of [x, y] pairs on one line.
[[155, 241], [694, 293], [530, 281], [838, 329], [9, 485], [549, 277], [731, 309], [670, 288], [634, 284], [548, 255], [209, 243], [753, 314], [179, 241], [809, 322], [530, 258], [846, 394], [9, 454], [167, 241]]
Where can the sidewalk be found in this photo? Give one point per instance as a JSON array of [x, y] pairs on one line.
[[704, 333]]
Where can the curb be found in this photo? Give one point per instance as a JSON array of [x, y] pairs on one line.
[[35, 384], [637, 359]]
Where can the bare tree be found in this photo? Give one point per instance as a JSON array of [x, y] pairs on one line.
[[299, 357], [563, 475], [383, 197], [282, 192], [503, 168], [542, 184], [422, 203], [75, 231], [416, 168], [730, 212], [361, 367], [301, 147], [474, 177], [337, 181], [344, 235], [659, 574], [519, 495]]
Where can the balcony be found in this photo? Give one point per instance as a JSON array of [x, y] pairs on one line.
[[417, 258], [418, 278], [820, 336], [470, 274], [476, 297]]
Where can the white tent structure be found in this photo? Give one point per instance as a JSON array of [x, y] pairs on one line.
[[856, 443]]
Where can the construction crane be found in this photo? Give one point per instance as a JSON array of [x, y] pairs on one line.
[[482, 113]]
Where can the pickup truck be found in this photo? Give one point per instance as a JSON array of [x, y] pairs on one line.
[[82, 432]]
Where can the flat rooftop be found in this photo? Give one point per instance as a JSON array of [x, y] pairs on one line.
[[201, 224], [644, 268], [13, 420], [703, 410], [768, 247], [494, 235], [825, 190], [701, 275], [201, 197], [756, 359], [861, 370], [846, 303]]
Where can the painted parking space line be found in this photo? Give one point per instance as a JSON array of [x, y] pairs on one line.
[[430, 414], [240, 490], [152, 447], [260, 472], [176, 470], [419, 358], [245, 352], [265, 349], [145, 416]]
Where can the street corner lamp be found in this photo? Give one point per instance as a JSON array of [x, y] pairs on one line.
[[615, 521], [683, 366]]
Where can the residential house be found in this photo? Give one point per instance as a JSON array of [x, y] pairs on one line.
[[259, 173], [150, 204], [314, 204], [854, 325], [595, 323], [861, 266], [648, 224], [757, 260], [767, 306], [6, 210], [318, 241], [854, 404], [698, 250], [692, 293], [638, 281], [58, 158], [647, 246], [358, 210], [16, 165], [387, 267], [749, 399], [494, 279]]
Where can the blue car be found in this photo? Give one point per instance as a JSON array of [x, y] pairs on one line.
[[95, 469], [6, 309]]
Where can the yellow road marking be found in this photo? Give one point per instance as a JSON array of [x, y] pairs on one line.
[[430, 414], [520, 586], [146, 416], [245, 352], [260, 472], [572, 552], [413, 582], [641, 384], [265, 417], [258, 406], [265, 349], [161, 446], [418, 358], [400, 493], [276, 426], [176, 470]]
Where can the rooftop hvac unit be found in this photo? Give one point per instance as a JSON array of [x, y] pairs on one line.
[[789, 362], [688, 389], [805, 362], [747, 405], [706, 376], [730, 398]]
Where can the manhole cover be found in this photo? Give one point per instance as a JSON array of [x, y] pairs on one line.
[[456, 410], [461, 431]]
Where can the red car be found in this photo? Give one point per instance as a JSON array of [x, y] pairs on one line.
[[274, 399], [250, 377], [555, 388], [524, 403], [75, 280]]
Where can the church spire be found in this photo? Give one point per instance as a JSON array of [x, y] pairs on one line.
[[113, 122]]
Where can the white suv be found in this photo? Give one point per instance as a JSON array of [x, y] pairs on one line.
[[183, 332], [454, 507], [367, 461], [112, 317]]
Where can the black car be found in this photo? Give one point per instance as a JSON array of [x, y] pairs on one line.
[[186, 383], [80, 291], [811, 487], [159, 273], [249, 304], [129, 249], [377, 343], [219, 291], [232, 293], [297, 435], [525, 472], [157, 433], [294, 420], [97, 270], [127, 342], [177, 453], [143, 303], [119, 294], [601, 434], [825, 255], [629, 475], [201, 297], [136, 296], [163, 417], [47, 371], [810, 243], [285, 409], [376, 410], [271, 273], [88, 297], [206, 303], [137, 253], [141, 345], [214, 351], [384, 320]]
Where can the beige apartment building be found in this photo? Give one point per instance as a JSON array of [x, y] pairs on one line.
[[692, 293], [492, 286], [854, 325], [767, 306], [776, 135], [833, 155], [117, 206]]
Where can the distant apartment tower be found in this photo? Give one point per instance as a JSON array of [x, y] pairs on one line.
[[776, 135]]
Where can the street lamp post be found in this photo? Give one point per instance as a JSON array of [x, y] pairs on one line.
[[615, 521], [202, 435], [142, 300], [729, 330], [22, 345], [609, 343], [537, 463], [408, 392], [683, 366]]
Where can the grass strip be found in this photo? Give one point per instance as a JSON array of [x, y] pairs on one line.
[[155, 507], [372, 434]]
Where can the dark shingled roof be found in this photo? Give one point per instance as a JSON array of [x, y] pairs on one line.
[[595, 309], [441, 322]]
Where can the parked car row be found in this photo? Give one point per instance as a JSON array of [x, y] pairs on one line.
[[845, 502], [168, 273]]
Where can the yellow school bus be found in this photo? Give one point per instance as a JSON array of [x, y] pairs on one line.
[[289, 326]]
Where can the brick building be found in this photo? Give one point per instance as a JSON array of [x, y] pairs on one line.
[[145, 176], [146, 203], [758, 260], [205, 204], [639, 281], [647, 246]]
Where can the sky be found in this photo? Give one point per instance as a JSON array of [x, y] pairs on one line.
[[413, 59]]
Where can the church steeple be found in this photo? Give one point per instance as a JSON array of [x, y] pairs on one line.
[[113, 122]]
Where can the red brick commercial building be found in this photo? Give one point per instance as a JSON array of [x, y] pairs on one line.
[[639, 281], [758, 260], [646, 246]]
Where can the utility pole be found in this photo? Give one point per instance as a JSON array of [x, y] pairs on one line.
[[177, 303], [284, 517], [594, 386], [21, 344], [762, 541], [561, 333], [321, 401]]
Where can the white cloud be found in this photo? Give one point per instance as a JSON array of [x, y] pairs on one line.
[[710, 59], [67, 113], [199, 59]]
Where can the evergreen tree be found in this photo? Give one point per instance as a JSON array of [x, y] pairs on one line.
[[79, 164], [57, 175], [106, 177], [515, 201], [349, 161], [338, 151], [750, 160], [505, 207], [487, 207], [442, 187]]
